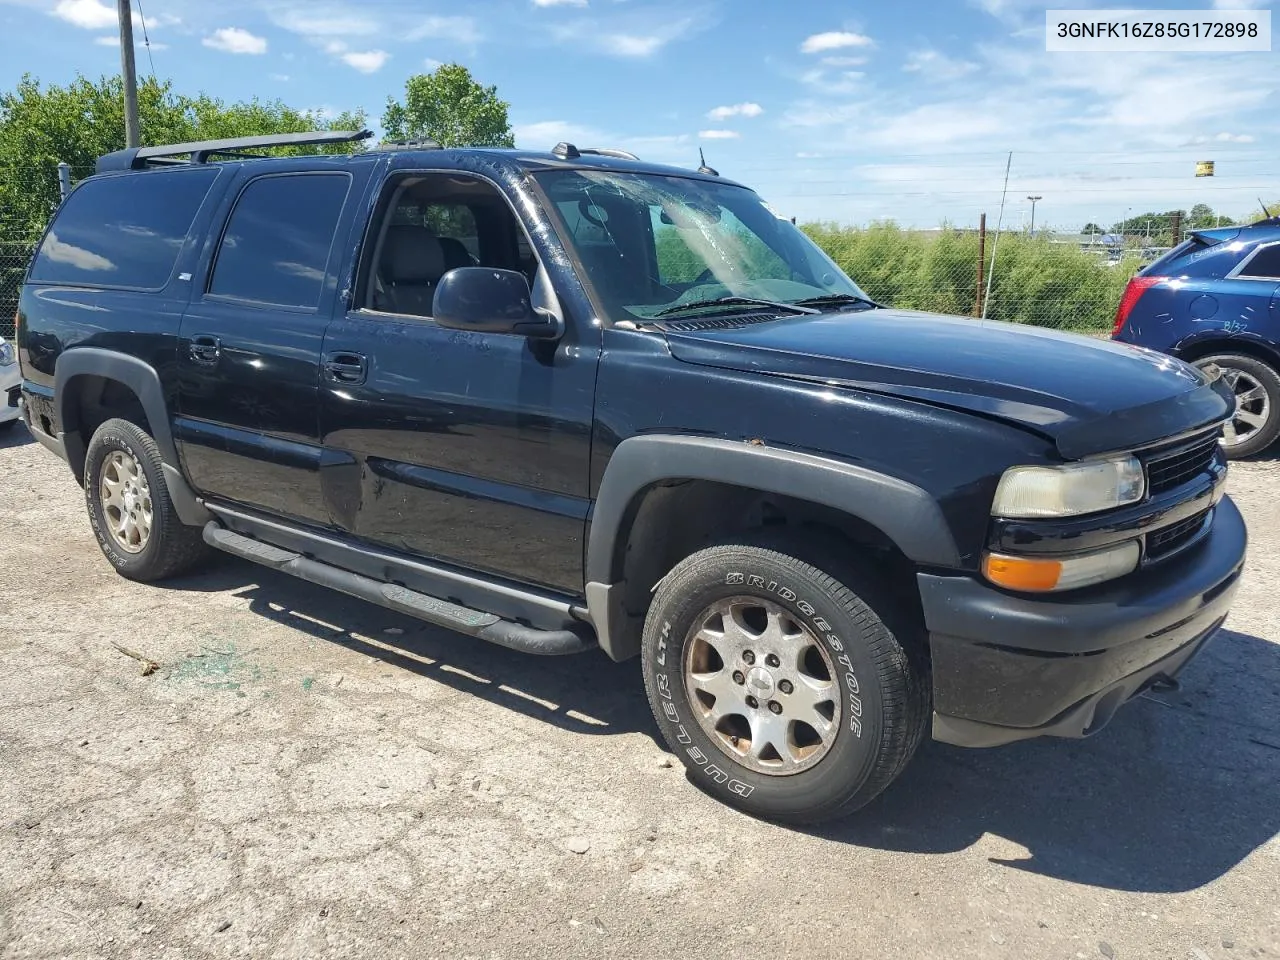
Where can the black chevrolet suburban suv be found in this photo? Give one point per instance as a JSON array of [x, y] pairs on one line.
[[564, 400]]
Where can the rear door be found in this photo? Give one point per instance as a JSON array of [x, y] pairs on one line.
[[249, 347]]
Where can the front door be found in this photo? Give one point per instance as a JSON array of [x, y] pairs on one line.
[[469, 448], [250, 344]]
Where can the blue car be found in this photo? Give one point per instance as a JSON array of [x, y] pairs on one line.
[[1215, 299]]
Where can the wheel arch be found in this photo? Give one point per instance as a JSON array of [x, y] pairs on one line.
[[1196, 348], [83, 370], [709, 485]]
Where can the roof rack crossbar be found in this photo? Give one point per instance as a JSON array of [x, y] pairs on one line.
[[137, 158], [568, 151]]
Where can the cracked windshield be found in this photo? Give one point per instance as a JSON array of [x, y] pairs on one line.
[[657, 246]]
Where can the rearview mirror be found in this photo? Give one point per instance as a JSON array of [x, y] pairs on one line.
[[487, 300]]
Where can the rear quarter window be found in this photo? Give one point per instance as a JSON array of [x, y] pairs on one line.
[[122, 231]]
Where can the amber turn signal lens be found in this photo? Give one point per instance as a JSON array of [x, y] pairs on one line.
[[1021, 573]]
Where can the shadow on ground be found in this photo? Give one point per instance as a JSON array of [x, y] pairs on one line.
[[1169, 797], [587, 693], [1172, 795], [16, 435]]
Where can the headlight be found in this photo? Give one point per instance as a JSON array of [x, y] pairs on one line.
[[1042, 574], [1069, 490], [7, 354]]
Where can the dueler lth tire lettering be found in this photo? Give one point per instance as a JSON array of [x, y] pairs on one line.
[[730, 715]]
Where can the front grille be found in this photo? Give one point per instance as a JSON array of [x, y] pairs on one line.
[[1172, 468], [1173, 538]]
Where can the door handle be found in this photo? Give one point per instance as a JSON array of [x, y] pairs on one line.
[[205, 349], [346, 367]]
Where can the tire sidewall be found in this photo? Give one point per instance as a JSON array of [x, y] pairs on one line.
[[110, 438], [831, 782]]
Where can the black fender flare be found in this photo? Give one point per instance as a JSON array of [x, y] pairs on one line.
[[904, 512], [140, 377]]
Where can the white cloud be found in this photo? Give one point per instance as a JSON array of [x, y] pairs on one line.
[[1220, 138], [832, 83], [457, 29], [640, 36], [1239, 4], [834, 40], [324, 21], [235, 40], [630, 45], [735, 110], [366, 61], [937, 65], [559, 3], [432, 64], [89, 14], [279, 77], [719, 134]]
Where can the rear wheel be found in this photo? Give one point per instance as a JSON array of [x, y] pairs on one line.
[[781, 688], [1255, 425], [129, 506]]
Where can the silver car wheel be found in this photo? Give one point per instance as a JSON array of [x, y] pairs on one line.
[[1253, 407], [761, 685], [126, 501]]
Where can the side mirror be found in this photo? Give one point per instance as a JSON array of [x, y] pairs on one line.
[[487, 300]]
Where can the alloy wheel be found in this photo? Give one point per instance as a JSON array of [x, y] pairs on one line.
[[761, 685], [126, 501], [1253, 407]]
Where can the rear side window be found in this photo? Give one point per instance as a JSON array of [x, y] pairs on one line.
[[1264, 264], [123, 231], [276, 245]]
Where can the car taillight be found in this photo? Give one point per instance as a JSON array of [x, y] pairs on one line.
[[1132, 294]]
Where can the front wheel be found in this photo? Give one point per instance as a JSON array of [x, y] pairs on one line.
[[1255, 425], [779, 687]]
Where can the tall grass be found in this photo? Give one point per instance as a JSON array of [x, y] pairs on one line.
[[1036, 281]]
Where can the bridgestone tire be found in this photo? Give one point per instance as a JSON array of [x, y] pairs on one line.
[[1269, 380], [883, 687], [170, 547]]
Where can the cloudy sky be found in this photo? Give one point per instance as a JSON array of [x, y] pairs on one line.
[[846, 111]]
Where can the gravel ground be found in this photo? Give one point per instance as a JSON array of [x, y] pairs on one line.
[[309, 776]]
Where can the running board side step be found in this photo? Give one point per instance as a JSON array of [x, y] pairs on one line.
[[442, 613]]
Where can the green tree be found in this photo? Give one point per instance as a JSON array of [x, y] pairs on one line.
[[451, 108], [1092, 228], [42, 126]]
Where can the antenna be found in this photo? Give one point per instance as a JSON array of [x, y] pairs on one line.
[[1264, 208], [704, 169]]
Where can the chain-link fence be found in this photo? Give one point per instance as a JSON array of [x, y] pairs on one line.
[[28, 195], [1066, 281]]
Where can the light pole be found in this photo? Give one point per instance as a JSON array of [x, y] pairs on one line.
[[1033, 211]]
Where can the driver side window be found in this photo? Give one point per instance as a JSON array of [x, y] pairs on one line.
[[434, 224]]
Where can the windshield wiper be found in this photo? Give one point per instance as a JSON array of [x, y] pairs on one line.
[[733, 302], [831, 299]]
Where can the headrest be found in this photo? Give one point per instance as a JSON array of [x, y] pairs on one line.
[[411, 254]]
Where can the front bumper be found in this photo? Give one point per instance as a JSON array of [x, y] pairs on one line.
[[1007, 667]]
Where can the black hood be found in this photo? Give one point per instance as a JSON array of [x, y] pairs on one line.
[[1085, 394]]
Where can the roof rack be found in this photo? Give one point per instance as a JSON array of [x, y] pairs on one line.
[[138, 158], [567, 151], [407, 145]]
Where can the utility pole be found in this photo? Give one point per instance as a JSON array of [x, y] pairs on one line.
[[130, 77], [1033, 212]]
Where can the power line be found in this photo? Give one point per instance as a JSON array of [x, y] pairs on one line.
[[146, 41]]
